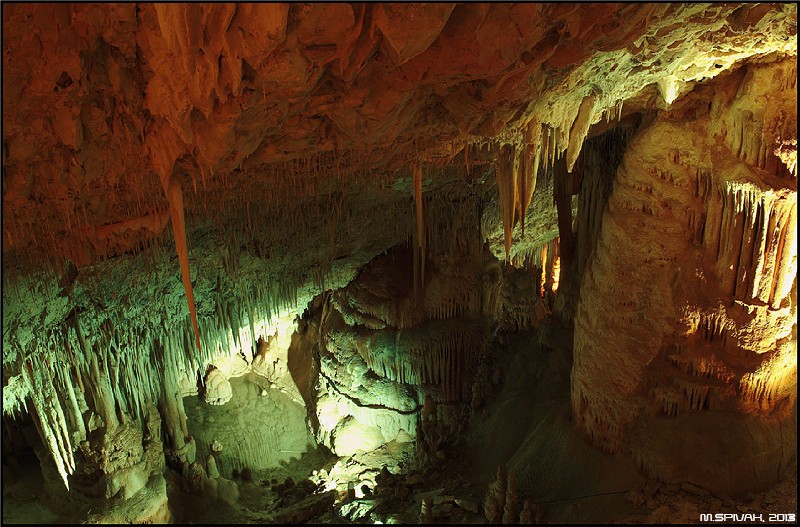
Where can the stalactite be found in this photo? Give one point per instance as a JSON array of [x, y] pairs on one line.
[[421, 238], [552, 150], [751, 236], [73, 409], [785, 267], [49, 418], [528, 168], [102, 393], [580, 128], [505, 171], [175, 198]]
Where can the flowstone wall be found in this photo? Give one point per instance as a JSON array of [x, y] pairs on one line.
[[691, 292]]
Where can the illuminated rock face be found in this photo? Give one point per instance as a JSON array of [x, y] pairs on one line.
[[691, 293], [381, 348], [385, 343]]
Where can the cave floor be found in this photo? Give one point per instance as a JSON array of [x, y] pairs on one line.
[[527, 425]]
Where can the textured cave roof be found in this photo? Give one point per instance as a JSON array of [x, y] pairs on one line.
[[101, 100]]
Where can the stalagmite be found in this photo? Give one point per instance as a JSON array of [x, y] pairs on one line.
[[512, 508]]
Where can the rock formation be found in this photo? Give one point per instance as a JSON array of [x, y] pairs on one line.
[[709, 316], [217, 388], [361, 207]]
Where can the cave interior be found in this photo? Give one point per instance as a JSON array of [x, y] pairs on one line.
[[399, 263]]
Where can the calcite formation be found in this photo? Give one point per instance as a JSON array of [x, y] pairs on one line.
[[706, 215], [358, 203], [218, 389], [382, 352]]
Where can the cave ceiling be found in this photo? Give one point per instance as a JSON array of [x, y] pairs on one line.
[[102, 103]]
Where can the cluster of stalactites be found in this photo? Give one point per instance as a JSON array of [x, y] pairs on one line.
[[127, 366], [440, 354], [50, 417], [752, 236], [537, 147], [72, 382], [84, 368], [516, 170], [447, 222], [759, 130]]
